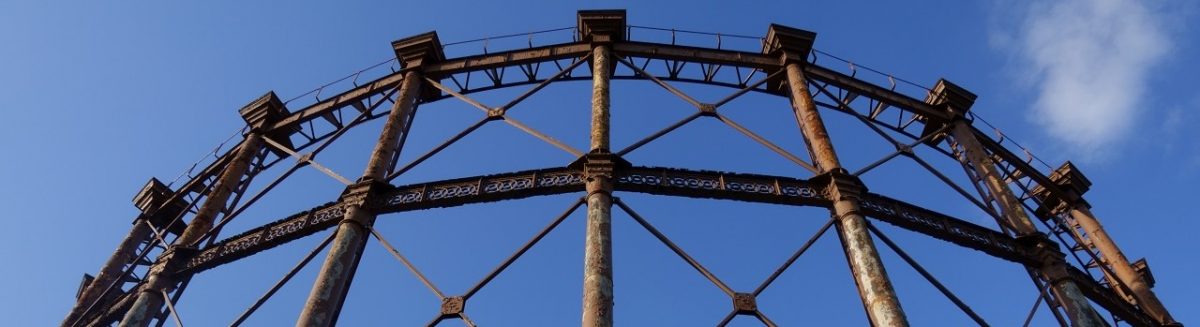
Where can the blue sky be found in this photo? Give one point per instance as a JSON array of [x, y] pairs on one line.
[[100, 97]]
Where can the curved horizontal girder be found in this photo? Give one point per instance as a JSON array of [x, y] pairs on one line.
[[682, 54], [660, 181]]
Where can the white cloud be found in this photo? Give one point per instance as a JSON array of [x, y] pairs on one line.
[[1089, 61]]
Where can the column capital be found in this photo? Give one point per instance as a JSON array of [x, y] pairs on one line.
[[152, 201], [790, 43], [152, 195], [1070, 181], [419, 49], [415, 51], [951, 98], [264, 112], [601, 26], [1143, 269]]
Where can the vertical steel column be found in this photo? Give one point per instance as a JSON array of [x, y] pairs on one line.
[[1079, 310], [597, 268], [874, 287], [154, 200], [329, 291], [1146, 299], [150, 301], [601, 28], [112, 269], [1072, 184], [217, 198]]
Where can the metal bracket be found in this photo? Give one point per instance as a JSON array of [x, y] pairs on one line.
[[841, 185], [364, 193]]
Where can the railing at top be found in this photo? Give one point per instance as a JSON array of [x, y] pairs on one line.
[[702, 39], [361, 91], [365, 90]]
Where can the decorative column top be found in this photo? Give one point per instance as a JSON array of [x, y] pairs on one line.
[[790, 42], [264, 112], [1070, 181], [419, 49], [948, 97], [151, 200], [153, 194], [601, 25], [958, 99]]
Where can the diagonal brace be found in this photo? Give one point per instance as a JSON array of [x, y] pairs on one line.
[[307, 158]]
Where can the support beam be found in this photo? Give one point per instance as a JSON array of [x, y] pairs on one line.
[[258, 114], [1126, 273], [601, 28], [1054, 267], [878, 297], [111, 270], [1074, 184], [152, 201], [333, 281]]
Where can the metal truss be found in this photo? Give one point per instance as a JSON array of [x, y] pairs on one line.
[[1002, 184]]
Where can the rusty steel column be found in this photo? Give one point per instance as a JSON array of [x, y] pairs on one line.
[[1054, 266], [601, 28], [159, 207], [112, 269], [874, 287], [1146, 299], [329, 291], [1010, 207], [150, 300], [226, 184], [1079, 310], [156, 210], [1072, 184]]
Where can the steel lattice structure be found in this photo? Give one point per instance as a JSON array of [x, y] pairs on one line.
[[1039, 215]]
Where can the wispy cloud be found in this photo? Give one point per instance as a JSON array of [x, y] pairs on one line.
[[1089, 62]]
